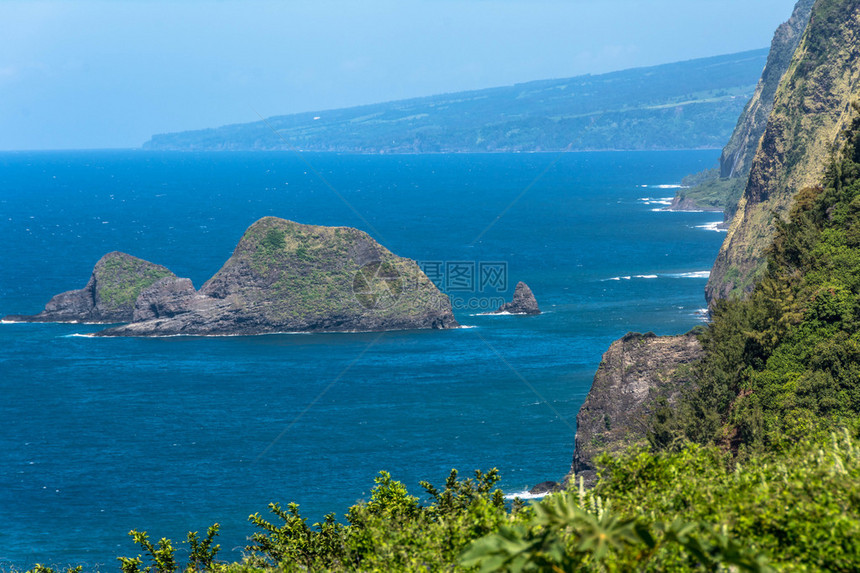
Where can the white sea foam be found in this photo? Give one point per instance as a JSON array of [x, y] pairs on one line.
[[656, 200], [715, 226], [692, 275], [12, 322], [526, 495], [689, 275], [631, 277], [468, 325], [505, 313], [238, 335], [665, 186]]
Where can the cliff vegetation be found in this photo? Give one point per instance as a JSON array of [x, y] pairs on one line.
[[785, 363]]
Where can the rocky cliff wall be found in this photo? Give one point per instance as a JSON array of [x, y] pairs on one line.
[[722, 190], [634, 374], [812, 107]]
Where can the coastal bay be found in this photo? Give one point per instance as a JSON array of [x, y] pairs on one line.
[[112, 434]]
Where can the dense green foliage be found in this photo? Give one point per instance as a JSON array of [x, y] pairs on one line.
[[786, 361], [689, 510], [683, 105]]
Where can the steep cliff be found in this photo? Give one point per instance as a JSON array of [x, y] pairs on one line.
[[636, 371], [811, 110], [737, 156], [722, 188]]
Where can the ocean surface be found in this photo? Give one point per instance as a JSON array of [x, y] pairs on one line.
[[169, 435]]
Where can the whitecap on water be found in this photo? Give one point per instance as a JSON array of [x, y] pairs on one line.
[[525, 495], [631, 277], [692, 275], [712, 227], [656, 200]]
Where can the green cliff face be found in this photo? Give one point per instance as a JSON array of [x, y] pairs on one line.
[[722, 188], [811, 110], [764, 359], [736, 159]]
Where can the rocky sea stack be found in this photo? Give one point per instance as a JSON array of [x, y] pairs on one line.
[[282, 277], [524, 302], [109, 296]]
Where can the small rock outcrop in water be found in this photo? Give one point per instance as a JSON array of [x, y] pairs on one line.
[[524, 302], [545, 487], [681, 203], [109, 296], [282, 277], [634, 373]]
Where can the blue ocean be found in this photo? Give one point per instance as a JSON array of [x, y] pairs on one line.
[[169, 435]]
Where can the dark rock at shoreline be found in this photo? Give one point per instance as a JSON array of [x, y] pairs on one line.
[[109, 296], [545, 487], [524, 302], [636, 372], [165, 298], [682, 203]]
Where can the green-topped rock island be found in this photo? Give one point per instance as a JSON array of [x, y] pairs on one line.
[[283, 277]]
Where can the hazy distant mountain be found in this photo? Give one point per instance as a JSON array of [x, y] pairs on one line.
[[692, 104]]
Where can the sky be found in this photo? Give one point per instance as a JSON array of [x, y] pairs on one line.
[[91, 74]]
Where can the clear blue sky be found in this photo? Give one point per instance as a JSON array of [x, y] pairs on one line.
[[109, 73]]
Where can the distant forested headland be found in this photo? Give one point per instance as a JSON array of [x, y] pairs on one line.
[[684, 105]]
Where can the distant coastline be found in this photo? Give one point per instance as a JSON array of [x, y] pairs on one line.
[[683, 105]]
